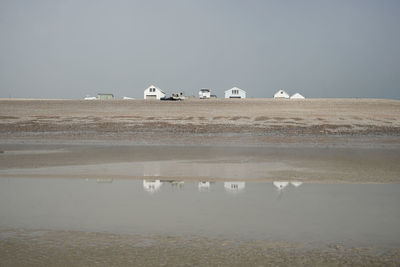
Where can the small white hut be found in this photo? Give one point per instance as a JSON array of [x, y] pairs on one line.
[[281, 94], [204, 93], [153, 92], [234, 186], [235, 93], [297, 96]]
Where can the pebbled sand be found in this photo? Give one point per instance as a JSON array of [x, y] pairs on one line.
[[207, 122], [61, 248]]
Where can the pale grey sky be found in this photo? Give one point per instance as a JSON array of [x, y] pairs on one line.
[[68, 49]]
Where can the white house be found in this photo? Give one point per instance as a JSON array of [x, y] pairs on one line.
[[297, 96], [153, 92], [204, 93], [281, 94], [234, 186], [235, 93], [152, 186]]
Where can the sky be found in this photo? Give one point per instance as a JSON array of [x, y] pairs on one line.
[[73, 48]]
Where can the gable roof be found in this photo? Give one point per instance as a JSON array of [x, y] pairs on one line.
[[281, 93], [235, 88], [297, 96], [153, 86]]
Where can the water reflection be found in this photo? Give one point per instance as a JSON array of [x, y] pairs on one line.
[[234, 186], [152, 186], [177, 184], [368, 214], [204, 186], [280, 185], [104, 180], [296, 183]]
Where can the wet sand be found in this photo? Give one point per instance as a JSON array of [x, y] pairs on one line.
[[61, 248], [212, 163]]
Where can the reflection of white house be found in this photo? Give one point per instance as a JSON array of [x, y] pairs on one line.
[[204, 186], [153, 92], [296, 183], [297, 96], [204, 93], [104, 180], [152, 186], [280, 185], [235, 93], [177, 184], [234, 186], [281, 94]]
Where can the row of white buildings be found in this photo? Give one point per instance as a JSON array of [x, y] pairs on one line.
[[153, 92]]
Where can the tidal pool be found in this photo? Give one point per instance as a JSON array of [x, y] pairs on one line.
[[350, 214]]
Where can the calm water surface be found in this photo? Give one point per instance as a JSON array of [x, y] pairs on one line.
[[352, 214]]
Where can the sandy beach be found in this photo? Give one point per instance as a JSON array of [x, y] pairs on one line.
[[82, 157], [314, 140], [220, 121]]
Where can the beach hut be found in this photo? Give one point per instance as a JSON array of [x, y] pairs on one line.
[[152, 186], [234, 186], [153, 92], [297, 96], [204, 93], [103, 96], [281, 94], [235, 93]]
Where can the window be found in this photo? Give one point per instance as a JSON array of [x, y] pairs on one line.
[[235, 92]]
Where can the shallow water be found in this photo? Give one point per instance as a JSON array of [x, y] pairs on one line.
[[351, 214]]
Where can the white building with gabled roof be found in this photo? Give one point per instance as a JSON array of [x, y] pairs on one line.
[[235, 92], [281, 94], [153, 92], [297, 96], [204, 93]]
